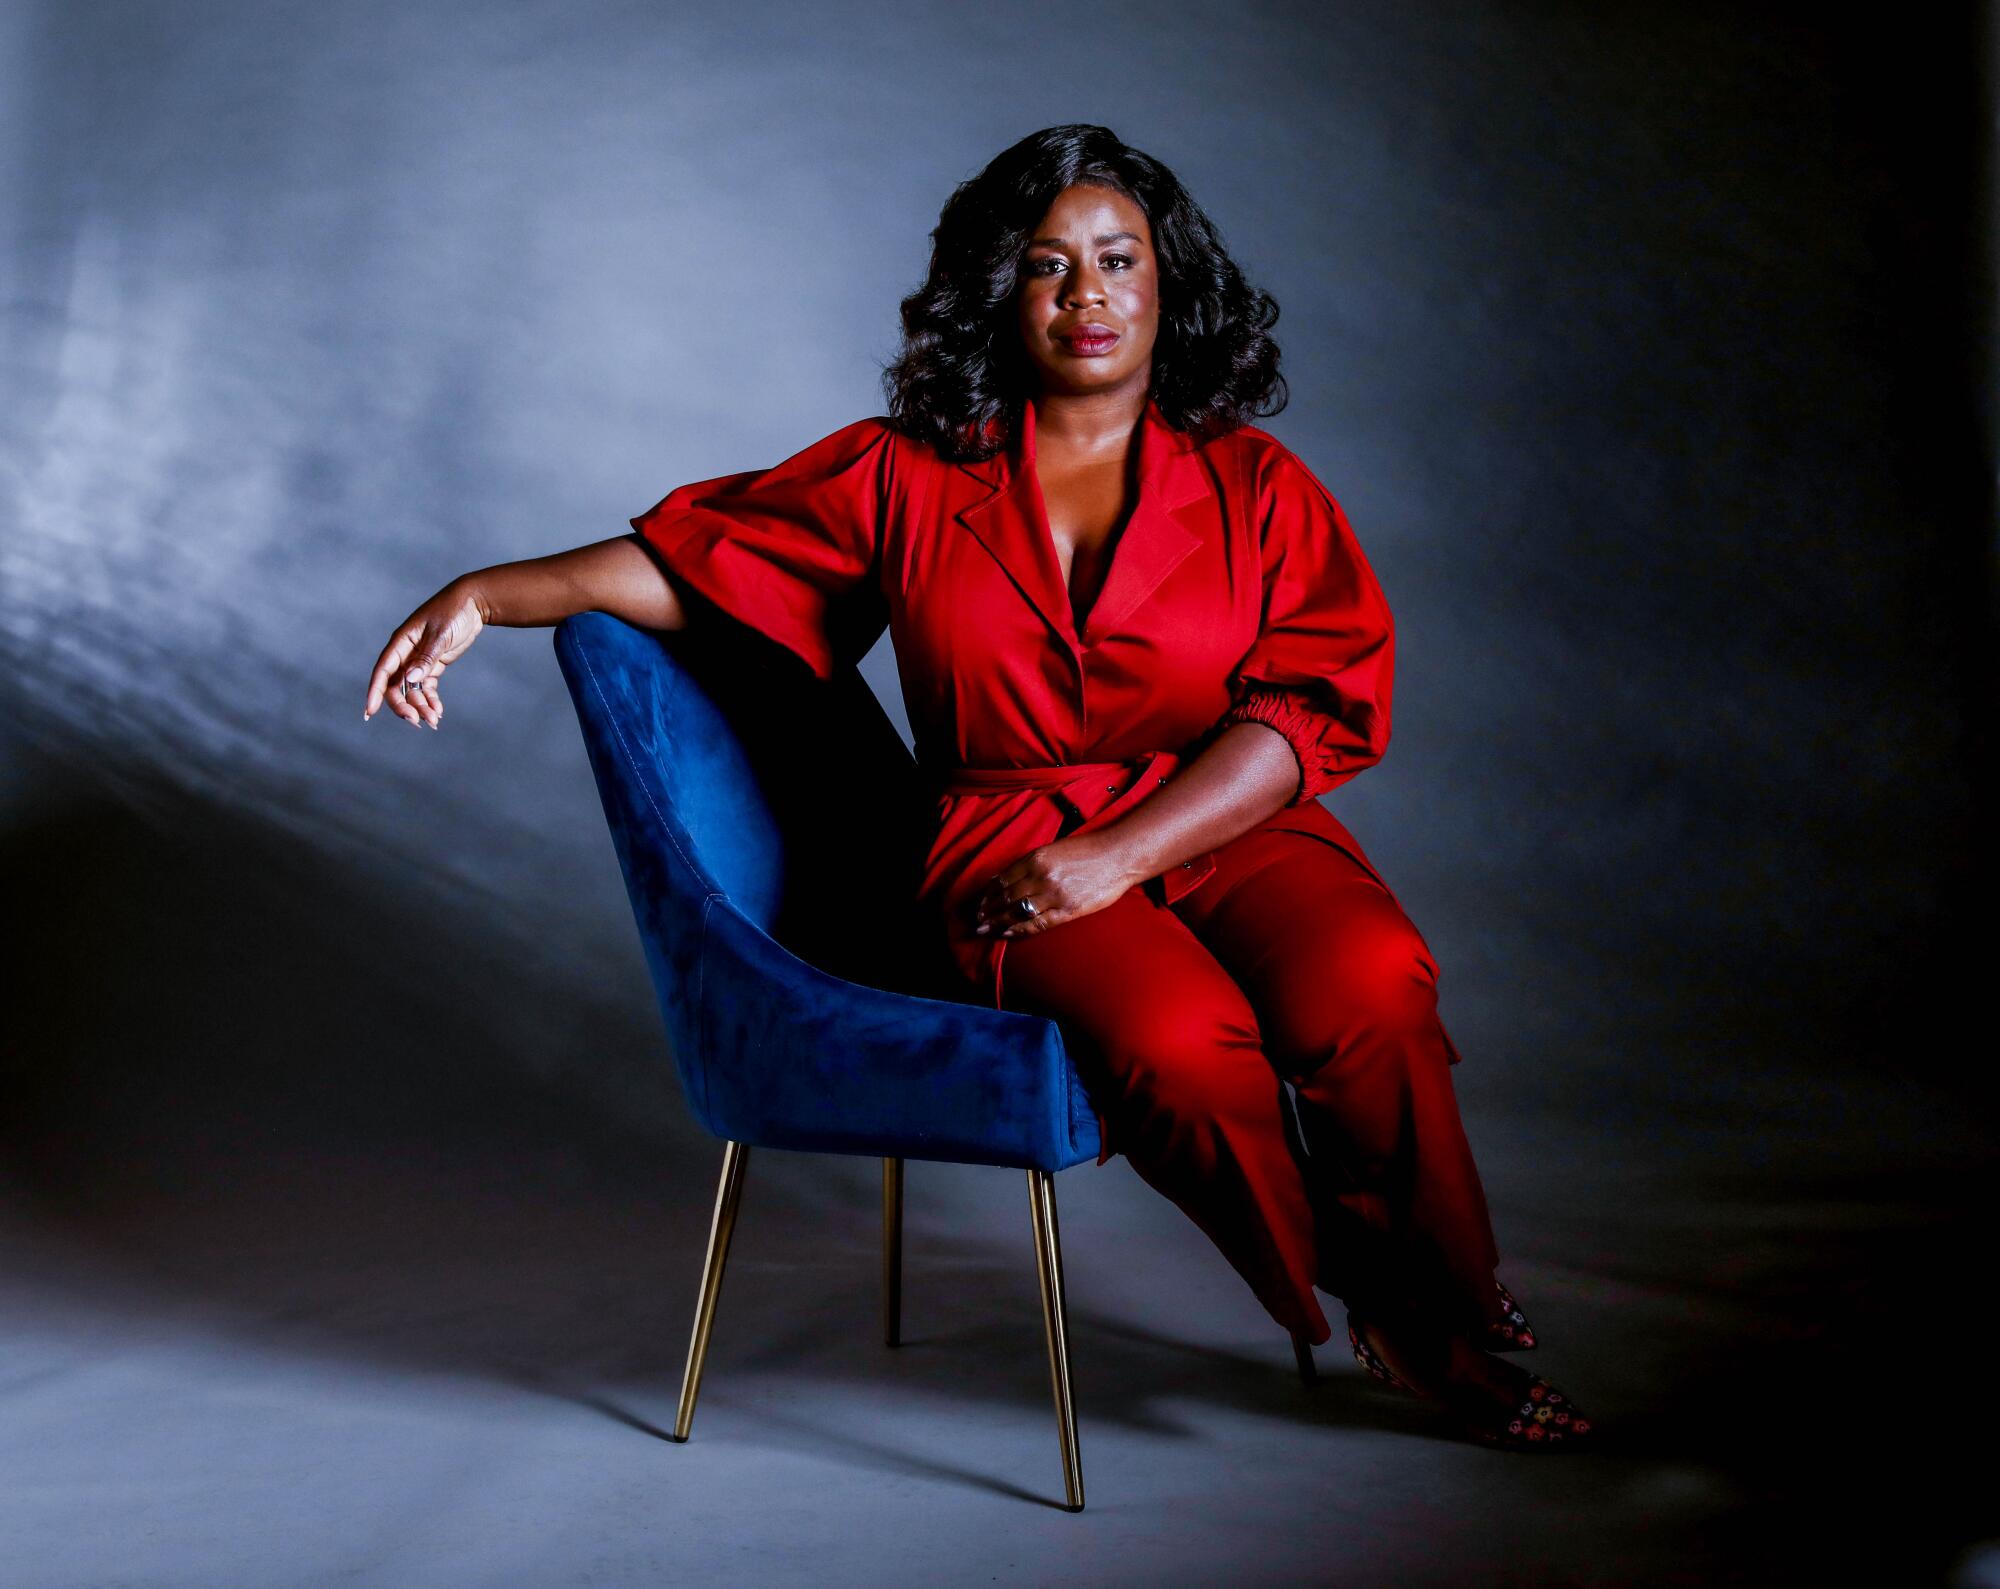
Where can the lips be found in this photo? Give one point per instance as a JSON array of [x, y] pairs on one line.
[[1093, 338]]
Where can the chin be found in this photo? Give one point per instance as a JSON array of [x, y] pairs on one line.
[[1090, 374]]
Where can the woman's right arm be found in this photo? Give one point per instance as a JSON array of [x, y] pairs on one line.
[[619, 576]]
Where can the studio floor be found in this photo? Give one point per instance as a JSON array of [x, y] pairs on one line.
[[245, 1348]]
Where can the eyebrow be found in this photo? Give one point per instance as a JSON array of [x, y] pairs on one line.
[[1100, 239]]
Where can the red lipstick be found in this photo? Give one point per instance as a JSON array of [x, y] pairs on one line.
[[1090, 341]]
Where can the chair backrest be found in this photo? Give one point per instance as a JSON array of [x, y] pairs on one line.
[[662, 744], [730, 781]]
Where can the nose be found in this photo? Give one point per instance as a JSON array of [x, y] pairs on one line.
[[1082, 287]]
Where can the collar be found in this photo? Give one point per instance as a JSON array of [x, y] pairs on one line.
[[1011, 522]]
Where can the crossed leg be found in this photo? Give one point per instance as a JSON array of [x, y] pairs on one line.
[[1290, 962]]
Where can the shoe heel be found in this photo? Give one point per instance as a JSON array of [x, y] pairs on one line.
[[1511, 1332], [1366, 1356]]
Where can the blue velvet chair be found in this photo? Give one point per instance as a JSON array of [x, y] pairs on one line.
[[766, 824]]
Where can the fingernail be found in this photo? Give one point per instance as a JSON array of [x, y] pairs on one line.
[[981, 928]]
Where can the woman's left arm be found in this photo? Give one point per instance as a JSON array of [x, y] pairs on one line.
[[1243, 775]]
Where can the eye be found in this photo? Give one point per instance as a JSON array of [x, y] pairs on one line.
[[1035, 266], [1126, 257]]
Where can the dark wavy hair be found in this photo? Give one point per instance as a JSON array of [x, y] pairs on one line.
[[962, 375]]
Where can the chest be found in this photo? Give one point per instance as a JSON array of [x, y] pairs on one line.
[[1086, 506], [1069, 609]]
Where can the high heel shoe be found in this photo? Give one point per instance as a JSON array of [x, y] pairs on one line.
[[1544, 1420]]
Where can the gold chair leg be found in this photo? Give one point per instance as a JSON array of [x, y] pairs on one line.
[[892, 1252], [1302, 1350], [727, 1194], [1055, 1319]]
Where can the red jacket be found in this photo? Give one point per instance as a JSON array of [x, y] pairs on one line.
[[1236, 591]]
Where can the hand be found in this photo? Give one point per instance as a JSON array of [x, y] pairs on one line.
[[1066, 878], [423, 646]]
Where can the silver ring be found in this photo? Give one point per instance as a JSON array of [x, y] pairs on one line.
[[1025, 906]]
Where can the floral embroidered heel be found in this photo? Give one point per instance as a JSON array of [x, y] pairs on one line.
[[1511, 1332], [1544, 1420]]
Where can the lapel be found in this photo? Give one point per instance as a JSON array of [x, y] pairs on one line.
[[1011, 522]]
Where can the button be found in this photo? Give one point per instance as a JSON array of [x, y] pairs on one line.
[[1159, 780], [1187, 863], [1111, 788]]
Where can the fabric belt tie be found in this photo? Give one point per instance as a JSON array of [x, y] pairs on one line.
[[1094, 793]]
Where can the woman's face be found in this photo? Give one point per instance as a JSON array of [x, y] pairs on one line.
[[1090, 264]]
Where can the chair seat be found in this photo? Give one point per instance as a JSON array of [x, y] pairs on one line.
[[790, 1057]]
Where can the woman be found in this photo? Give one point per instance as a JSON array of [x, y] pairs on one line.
[[1137, 638]]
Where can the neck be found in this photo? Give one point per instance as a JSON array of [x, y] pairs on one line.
[[1088, 422]]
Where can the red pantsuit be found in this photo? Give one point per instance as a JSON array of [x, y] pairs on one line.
[[1236, 592], [1292, 961]]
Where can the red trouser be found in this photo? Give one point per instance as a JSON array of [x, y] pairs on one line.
[[1290, 961]]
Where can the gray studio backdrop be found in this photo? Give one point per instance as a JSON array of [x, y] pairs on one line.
[[1632, 339], [1600, 339]]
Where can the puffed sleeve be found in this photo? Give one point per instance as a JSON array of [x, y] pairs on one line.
[[1322, 668], [781, 550]]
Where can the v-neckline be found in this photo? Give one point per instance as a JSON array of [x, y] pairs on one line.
[[1039, 507], [1166, 523]]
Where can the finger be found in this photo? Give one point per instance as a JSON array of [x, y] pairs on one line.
[[407, 696], [1026, 926], [420, 677], [421, 699], [423, 666], [1007, 907], [1006, 915], [996, 900], [393, 654], [993, 906], [432, 700]]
